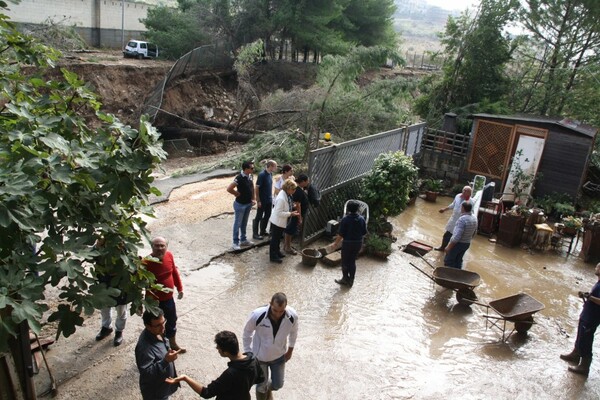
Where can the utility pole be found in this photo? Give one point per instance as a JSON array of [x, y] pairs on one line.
[[122, 24]]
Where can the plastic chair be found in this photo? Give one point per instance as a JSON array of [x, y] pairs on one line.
[[363, 209]]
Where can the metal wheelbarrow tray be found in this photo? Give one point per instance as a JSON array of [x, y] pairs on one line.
[[458, 280], [518, 308], [453, 278]]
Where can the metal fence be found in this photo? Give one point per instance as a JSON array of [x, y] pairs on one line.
[[337, 170], [200, 59]]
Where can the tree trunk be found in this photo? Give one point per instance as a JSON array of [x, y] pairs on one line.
[[169, 133]]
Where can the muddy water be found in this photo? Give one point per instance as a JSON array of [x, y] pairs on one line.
[[396, 335]]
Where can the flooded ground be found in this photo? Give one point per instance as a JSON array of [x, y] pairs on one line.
[[394, 335]]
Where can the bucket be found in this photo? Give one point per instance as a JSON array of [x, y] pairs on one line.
[[310, 257]]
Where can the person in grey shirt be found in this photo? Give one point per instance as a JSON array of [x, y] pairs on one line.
[[155, 359], [463, 233]]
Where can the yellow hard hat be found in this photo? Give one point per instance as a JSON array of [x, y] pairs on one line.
[[327, 136]]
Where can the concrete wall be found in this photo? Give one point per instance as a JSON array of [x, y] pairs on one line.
[[98, 21]]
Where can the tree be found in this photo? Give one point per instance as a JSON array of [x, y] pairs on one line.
[[477, 52], [175, 31], [566, 41], [65, 182]]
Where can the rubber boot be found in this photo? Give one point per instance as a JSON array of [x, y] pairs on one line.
[[261, 395], [175, 346], [584, 366], [573, 356], [287, 245]]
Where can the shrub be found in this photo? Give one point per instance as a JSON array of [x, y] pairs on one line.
[[387, 187]]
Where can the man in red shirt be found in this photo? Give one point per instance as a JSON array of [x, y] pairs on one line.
[[161, 263]]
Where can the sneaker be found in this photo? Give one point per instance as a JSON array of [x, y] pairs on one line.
[[104, 332], [118, 338], [281, 255], [246, 243], [257, 237], [276, 260], [235, 247]]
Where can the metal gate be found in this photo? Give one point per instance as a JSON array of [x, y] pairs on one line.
[[338, 169]]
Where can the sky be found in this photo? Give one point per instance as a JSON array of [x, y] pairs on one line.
[[452, 4]]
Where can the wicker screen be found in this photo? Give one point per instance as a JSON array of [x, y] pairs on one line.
[[491, 147]]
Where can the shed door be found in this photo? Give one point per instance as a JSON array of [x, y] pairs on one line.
[[531, 148]]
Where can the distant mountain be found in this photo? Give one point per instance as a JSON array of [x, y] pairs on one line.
[[419, 10]]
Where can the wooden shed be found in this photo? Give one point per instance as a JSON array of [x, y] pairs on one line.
[[557, 151]]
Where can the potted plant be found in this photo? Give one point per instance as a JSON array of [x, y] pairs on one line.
[[432, 188], [571, 225], [414, 191], [379, 246]]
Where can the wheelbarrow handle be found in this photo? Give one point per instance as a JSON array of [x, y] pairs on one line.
[[423, 258], [423, 272]]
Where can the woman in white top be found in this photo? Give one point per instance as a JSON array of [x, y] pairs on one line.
[[286, 173], [282, 211]]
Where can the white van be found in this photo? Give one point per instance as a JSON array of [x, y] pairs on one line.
[[140, 49]]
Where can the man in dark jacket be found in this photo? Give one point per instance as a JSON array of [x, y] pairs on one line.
[[588, 323], [235, 382], [351, 232], [155, 358]]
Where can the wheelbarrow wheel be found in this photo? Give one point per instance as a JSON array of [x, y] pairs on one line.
[[466, 297], [525, 325]]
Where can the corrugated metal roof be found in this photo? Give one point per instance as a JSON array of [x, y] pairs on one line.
[[568, 123]]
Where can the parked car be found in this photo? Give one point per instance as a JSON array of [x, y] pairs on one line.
[[140, 49]]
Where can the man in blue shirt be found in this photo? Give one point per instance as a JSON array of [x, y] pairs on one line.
[[463, 233], [155, 358], [264, 200], [588, 322]]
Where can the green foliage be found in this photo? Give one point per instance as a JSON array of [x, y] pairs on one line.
[[287, 147], [247, 56], [387, 187], [563, 49], [477, 54], [434, 185], [555, 204], [572, 222], [174, 31], [62, 186], [378, 244], [325, 27]]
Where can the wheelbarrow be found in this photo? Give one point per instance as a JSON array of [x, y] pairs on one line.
[[459, 280], [518, 309]]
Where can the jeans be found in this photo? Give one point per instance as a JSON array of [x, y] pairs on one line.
[[585, 338], [349, 253], [168, 307], [263, 213], [240, 221], [120, 320], [277, 368], [274, 251], [454, 258]]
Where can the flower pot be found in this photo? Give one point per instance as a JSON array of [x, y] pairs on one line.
[[381, 254], [569, 231], [431, 196]]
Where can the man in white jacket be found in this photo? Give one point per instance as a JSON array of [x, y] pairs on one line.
[[266, 334]]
